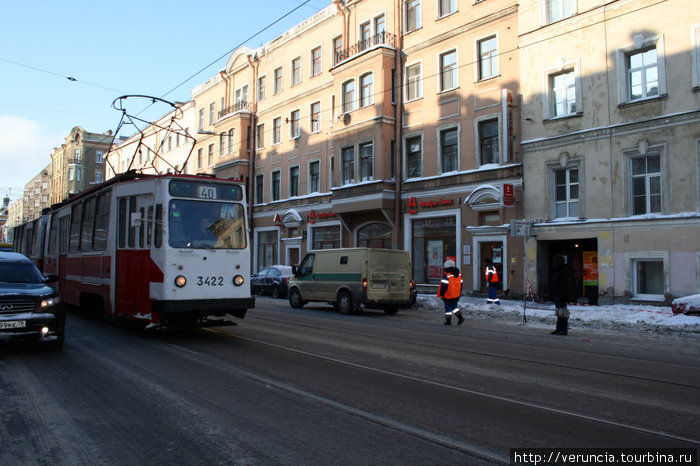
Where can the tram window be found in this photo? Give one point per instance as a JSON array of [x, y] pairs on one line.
[[101, 222], [158, 239], [142, 230], [149, 226], [29, 237], [76, 217], [87, 225], [132, 229], [122, 222], [64, 225], [53, 235]]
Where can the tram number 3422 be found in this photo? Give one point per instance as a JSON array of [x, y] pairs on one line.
[[210, 281]]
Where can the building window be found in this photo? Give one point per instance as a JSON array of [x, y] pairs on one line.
[[262, 88], [448, 70], [212, 113], [199, 158], [315, 117], [433, 240], [347, 155], [648, 278], [414, 84], [374, 235], [231, 141], [259, 188], [71, 173], [488, 141], [326, 237], [449, 150], [338, 50], [222, 144], [696, 55], [446, 7], [316, 65], [365, 35], [210, 155], [200, 121], [566, 193], [260, 136], [241, 98], [414, 157], [366, 161], [275, 193], [488, 58], [559, 9], [294, 181], [99, 158], [296, 71], [366, 90], [267, 249], [294, 127], [563, 93], [413, 15], [278, 81], [277, 130], [349, 96], [642, 74], [646, 184], [314, 176], [98, 176], [380, 28]]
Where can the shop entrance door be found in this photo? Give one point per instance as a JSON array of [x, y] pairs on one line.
[[494, 251]]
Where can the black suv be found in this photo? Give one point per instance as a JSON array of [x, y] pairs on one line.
[[29, 308]]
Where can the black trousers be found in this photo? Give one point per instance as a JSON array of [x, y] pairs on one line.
[[562, 325]]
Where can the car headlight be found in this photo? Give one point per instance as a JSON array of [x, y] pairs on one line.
[[48, 302], [180, 281], [238, 280]]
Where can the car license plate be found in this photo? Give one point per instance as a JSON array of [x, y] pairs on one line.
[[13, 324]]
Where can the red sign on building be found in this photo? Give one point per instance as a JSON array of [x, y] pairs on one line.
[[508, 195]]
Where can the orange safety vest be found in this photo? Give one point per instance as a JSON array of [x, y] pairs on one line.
[[491, 269], [454, 287]]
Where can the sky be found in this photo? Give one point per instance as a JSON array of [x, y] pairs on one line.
[[110, 49]]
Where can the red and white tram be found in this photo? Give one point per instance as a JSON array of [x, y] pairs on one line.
[[164, 250]]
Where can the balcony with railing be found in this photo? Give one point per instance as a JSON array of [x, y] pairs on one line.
[[381, 38], [231, 109]]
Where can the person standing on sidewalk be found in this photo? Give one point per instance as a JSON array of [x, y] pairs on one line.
[[559, 288], [491, 275], [450, 290]]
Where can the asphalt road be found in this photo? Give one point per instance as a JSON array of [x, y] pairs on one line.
[[312, 386]]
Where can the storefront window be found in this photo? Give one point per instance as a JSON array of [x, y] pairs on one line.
[[326, 237], [267, 249], [434, 240], [374, 235]]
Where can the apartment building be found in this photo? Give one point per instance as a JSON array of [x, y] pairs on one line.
[[37, 194], [377, 123], [611, 146]]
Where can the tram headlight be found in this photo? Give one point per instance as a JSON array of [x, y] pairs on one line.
[[180, 281], [238, 280]]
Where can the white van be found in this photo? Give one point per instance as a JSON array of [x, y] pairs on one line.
[[350, 277]]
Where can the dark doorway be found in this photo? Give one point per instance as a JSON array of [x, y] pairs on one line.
[[580, 259]]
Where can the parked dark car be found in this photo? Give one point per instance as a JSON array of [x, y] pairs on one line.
[[271, 280], [29, 308]]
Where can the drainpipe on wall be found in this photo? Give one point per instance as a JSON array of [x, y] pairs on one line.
[[253, 61], [340, 6], [398, 144]]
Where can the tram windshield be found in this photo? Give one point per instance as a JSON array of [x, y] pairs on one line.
[[206, 225]]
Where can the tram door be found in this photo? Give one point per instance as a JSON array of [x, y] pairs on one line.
[[135, 268]]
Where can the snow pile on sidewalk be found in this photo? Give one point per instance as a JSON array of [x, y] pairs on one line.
[[647, 319]]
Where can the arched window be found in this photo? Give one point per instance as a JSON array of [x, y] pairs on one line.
[[374, 235]]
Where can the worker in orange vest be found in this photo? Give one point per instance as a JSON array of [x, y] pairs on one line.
[[450, 290], [491, 275]]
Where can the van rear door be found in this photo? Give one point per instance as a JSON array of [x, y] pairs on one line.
[[388, 276]]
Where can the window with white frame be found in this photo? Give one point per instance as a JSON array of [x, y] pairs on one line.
[[448, 70], [241, 97], [366, 90], [380, 28], [262, 88], [563, 94], [366, 161], [566, 190], [315, 117], [277, 88], [71, 173], [210, 155], [200, 121], [559, 9], [413, 15], [260, 136], [365, 35], [100, 157], [347, 156], [259, 188], [337, 49], [314, 176], [696, 55], [222, 144], [231, 141], [212, 113], [414, 157], [487, 50], [488, 144], [449, 150], [348, 96], [648, 278], [446, 7], [199, 158], [98, 176], [646, 184], [414, 83], [296, 71], [316, 63], [294, 127], [294, 181], [641, 69], [277, 130], [275, 186]]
